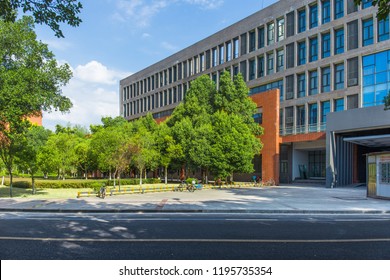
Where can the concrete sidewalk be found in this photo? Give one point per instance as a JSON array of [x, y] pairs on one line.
[[281, 199]]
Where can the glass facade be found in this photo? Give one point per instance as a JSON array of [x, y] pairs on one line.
[[376, 78], [263, 88], [313, 118]]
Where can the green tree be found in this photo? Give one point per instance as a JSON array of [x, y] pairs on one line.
[[215, 128], [49, 12], [386, 101], [30, 82], [168, 149], [147, 155], [383, 7], [27, 158]]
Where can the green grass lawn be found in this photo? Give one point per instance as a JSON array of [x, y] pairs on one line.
[[41, 193]]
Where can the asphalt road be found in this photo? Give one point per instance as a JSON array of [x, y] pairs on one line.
[[193, 236]]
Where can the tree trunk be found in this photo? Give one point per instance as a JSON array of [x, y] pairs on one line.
[[119, 180], [10, 182], [33, 184], [140, 176], [166, 174]]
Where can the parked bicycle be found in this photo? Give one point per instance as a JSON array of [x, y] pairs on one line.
[[102, 191], [184, 185]]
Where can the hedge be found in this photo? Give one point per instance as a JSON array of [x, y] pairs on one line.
[[77, 184]]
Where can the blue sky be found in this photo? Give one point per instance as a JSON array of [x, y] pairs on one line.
[[120, 37]]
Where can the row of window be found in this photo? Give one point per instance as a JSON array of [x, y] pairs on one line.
[[267, 34], [312, 117], [321, 80]]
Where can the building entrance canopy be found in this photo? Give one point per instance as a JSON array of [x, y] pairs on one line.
[[372, 141]]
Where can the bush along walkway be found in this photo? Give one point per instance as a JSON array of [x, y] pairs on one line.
[[164, 188]]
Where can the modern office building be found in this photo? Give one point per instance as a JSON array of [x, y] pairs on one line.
[[308, 64]]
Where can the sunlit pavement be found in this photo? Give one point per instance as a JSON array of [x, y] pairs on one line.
[[280, 199]]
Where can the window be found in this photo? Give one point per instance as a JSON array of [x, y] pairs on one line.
[[289, 119], [269, 86], [215, 57], [221, 54], [339, 76], [368, 32], [243, 69], [385, 173], [325, 79], [252, 69], [260, 39], [383, 29], [325, 45], [325, 109], [301, 53], [280, 60], [270, 63], [290, 55], [339, 41], [236, 43], [301, 112], [352, 101], [270, 33], [338, 105], [353, 72], [260, 66], [376, 78], [366, 4], [243, 44], [313, 118], [301, 85], [313, 82], [301, 21], [313, 16], [290, 24], [252, 41], [228, 51], [313, 51], [353, 36], [290, 87], [281, 27], [325, 11], [351, 6], [338, 9]]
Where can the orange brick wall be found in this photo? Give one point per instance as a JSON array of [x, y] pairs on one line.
[[304, 137], [269, 102], [36, 120]]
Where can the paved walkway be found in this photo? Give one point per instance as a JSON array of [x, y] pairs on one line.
[[281, 199]]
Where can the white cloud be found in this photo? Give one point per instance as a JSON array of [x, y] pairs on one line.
[[96, 72], [168, 46], [94, 92], [141, 12], [206, 4]]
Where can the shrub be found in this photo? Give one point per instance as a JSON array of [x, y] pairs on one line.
[[22, 184]]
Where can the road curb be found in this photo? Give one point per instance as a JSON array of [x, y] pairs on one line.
[[243, 211]]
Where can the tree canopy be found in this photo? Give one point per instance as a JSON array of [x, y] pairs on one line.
[[383, 7], [30, 82], [49, 12]]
